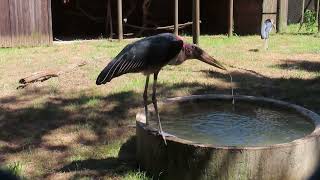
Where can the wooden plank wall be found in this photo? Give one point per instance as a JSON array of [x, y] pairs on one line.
[[269, 10], [27, 22], [247, 16], [5, 27]]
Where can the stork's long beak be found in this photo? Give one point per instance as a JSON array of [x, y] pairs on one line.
[[204, 57]]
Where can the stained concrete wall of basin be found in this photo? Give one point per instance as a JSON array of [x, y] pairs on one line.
[[182, 159]]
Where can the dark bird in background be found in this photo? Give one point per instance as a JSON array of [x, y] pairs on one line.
[[148, 56], [266, 30]]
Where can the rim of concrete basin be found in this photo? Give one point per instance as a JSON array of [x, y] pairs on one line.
[[313, 117]]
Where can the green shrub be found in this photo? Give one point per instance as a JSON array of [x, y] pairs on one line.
[[310, 20]]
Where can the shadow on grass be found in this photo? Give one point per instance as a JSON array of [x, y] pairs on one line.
[[6, 175], [26, 125], [254, 50], [124, 163], [30, 123], [299, 33], [299, 65]]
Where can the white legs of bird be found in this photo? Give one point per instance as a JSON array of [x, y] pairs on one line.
[[266, 44], [145, 100], [154, 101]]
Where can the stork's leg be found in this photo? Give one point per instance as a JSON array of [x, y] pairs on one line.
[[154, 101], [266, 44], [145, 100]]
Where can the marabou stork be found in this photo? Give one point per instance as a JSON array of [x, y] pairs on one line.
[[266, 30], [148, 56]]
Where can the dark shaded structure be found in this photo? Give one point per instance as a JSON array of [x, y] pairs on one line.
[[294, 10], [33, 22], [213, 15]]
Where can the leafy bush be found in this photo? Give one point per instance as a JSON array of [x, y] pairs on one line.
[[310, 20]]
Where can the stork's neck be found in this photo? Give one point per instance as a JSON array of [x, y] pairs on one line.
[[187, 49]]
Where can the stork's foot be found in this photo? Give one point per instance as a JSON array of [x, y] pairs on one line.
[[162, 134]]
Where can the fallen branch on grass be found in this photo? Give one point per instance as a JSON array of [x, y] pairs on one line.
[[45, 75]]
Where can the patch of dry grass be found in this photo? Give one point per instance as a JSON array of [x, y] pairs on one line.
[[68, 127]]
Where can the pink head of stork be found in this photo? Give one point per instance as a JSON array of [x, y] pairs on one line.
[[148, 56]]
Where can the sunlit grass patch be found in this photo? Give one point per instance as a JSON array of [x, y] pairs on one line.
[[112, 150], [93, 102], [81, 153], [69, 119], [136, 175]]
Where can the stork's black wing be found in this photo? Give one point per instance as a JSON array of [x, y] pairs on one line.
[[154, 51]]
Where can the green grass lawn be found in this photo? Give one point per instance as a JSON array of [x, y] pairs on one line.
[[67, 127]]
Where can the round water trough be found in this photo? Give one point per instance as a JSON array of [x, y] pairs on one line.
[[185, 159]]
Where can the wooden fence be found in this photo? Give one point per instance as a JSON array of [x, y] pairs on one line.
[[25, 23], [270, 10]]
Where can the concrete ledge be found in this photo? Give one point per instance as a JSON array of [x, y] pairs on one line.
[[183, 159]]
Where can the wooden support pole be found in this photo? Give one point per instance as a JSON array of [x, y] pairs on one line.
[[120, 25], [196, 21], [230, 23], [176, 17], [282, 15], [317, 12], [109, 25], [302, 13], [50, 40]]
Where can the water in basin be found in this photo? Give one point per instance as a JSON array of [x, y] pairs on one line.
[[221, 123]]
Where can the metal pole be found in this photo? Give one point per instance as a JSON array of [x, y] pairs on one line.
[[120, 27], [230, 28], [176, 17], [196, 21]]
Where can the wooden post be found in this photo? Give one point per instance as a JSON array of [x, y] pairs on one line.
[[230, 23], [109, 25], [176, 17], [302, 13], [196, 21], [120, 25], [317, 12], [50, 22], [282, 15]]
